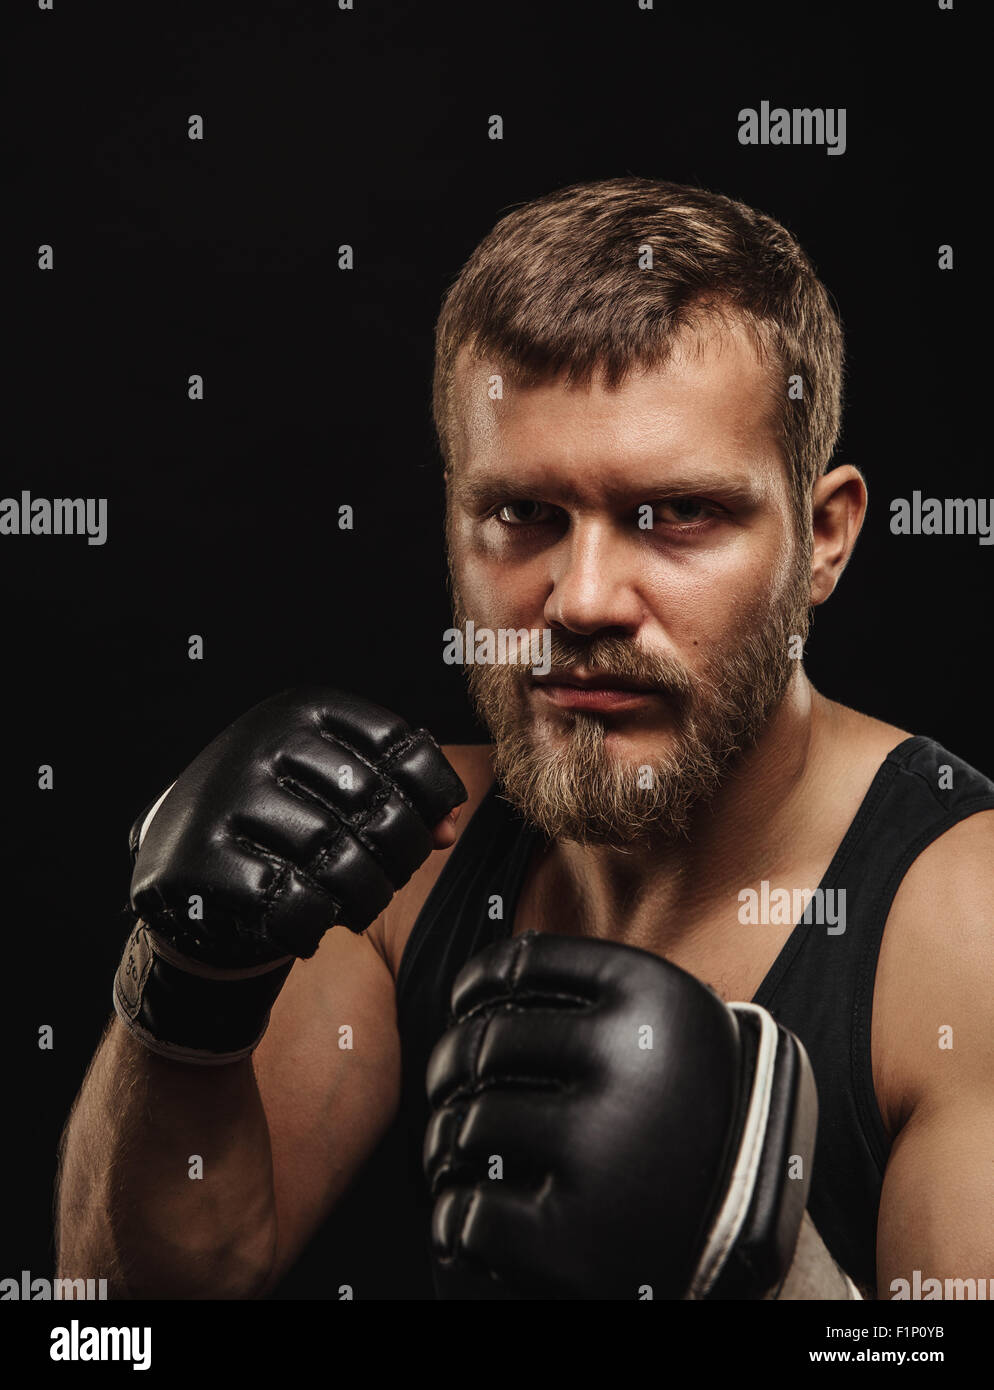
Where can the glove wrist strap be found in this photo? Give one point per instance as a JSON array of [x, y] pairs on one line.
[[191, 1012]]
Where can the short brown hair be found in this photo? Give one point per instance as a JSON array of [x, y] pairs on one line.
[[557, 285]]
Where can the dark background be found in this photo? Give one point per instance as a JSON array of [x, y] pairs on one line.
[[220, 257]]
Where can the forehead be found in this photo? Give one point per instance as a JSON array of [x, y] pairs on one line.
[[711, 401]]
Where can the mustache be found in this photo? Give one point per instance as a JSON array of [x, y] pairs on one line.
[[623, 661]]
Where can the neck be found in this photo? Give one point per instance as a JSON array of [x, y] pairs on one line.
[[660, 890]]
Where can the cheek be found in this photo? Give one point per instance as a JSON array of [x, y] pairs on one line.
[[494, 591], [708, 602], [497, 598]]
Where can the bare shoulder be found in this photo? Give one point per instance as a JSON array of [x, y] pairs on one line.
[[933, 1009], [473, 762], [875, 735]]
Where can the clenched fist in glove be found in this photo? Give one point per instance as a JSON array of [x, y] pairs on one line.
[[604, 1126], [311, 810]]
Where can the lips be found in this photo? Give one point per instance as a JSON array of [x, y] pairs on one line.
[[579, 682], [596, 693]]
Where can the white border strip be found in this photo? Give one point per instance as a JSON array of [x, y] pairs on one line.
[[728, 1222]]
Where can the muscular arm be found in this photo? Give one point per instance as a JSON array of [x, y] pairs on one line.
[[127, 1209], [278, 1137], [937, 1208], [280, 1134], [328, 1071], [934, 1046]]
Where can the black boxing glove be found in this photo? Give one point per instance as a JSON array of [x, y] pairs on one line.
[[311, 810], [653, 1141]]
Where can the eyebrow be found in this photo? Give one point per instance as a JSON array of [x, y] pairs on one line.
[[483, 493]]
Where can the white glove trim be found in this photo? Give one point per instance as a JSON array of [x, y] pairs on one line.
[[728, 1222]]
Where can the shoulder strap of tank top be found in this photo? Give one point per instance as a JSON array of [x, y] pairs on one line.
[[460, 916]]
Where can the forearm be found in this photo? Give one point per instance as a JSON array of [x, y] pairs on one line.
[[134, 1204], [813, 1274]]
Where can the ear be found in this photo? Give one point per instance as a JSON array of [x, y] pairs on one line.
[[838, 509]]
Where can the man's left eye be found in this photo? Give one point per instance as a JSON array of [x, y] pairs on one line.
[[685, 509]]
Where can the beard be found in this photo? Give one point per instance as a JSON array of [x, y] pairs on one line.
[[571, 787]]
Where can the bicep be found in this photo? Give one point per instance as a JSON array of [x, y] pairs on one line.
[[328, 1071], [933, 1044], [937, 1204]]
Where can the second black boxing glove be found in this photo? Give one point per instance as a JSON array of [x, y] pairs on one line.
[[651, 1138]]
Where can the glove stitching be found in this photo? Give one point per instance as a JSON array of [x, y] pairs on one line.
[[357, 822], [510, 1002], [417, 738], [346, 824], [182, 931], [286, 866], [356, 818], [354, 824], [375, 767], [355, 827], [471, 1089]]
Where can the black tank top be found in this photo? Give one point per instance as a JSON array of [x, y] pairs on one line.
[[820, 986]]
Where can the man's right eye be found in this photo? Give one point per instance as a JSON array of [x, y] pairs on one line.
[[533, 512]]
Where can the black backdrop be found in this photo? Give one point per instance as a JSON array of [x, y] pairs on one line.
[[219, 257]]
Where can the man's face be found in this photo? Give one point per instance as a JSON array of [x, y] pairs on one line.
[[695, 608]]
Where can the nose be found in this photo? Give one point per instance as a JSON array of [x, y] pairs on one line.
[[594, 581]]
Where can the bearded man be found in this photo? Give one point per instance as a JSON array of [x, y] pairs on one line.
[[690, 999]]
